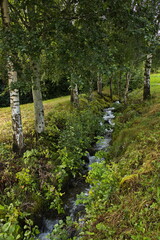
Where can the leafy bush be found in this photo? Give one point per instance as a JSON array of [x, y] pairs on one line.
[[35, 181]]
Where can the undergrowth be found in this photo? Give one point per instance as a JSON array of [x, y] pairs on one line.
[[124, 199], [36, 182]]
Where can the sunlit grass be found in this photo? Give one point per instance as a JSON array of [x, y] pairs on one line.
[[27, 112], [155, 83], [155, 78]]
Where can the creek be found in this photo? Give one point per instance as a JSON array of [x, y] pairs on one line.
[[76, 212]]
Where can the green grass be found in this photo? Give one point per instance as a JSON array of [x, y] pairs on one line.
[[155, 83], [155, 78], [132, 210], [27, 112]]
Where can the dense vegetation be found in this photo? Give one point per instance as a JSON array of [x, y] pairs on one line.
[[125, 205], [98, 51], [124, 200], [34, 183]]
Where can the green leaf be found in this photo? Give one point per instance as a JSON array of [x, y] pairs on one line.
[[18, 237], [11, 237], [6, 226], [90, 233], [2, 207], [27, 233]]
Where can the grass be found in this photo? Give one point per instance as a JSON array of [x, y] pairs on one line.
[[155, 83], [155, 78], [27, 112], [132, 210]]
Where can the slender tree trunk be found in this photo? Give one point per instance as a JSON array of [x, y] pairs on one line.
[[15, 109], [146, 90], [128, 77], [75, 96], [37, 99], [111, 87], [99, 84], [14, 93], [119, 85], [36, 86]]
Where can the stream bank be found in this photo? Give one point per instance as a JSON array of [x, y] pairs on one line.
[[77, 212]]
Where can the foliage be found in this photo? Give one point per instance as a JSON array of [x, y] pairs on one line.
[[63, 230], [123, 201], [35, 182], [10, 228], [75, 41], [104, 182]]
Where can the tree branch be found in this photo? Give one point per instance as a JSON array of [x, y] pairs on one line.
[[19, 15]]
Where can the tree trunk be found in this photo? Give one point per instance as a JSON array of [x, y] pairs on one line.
[[5, 12], [128, 77], [119, 85], [74, 96], [37, 99], [99, 84], [111, 88], [15, 109], [14, 93], [146, 90]]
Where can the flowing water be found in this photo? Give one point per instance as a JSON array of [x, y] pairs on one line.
[[76, 212]]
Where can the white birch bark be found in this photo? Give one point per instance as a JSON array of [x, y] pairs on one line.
[[37, 99], [15, 109], [75, 96], [14, 93], [146, 90]]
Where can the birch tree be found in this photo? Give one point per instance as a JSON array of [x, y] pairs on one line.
[[14, 92], [37, 98], [74, 95], [146, 90], [35, 65], [29, 44]]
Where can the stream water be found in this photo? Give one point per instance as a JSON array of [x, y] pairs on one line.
[[77, 211]]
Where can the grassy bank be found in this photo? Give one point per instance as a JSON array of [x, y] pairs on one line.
[[124, 201]]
